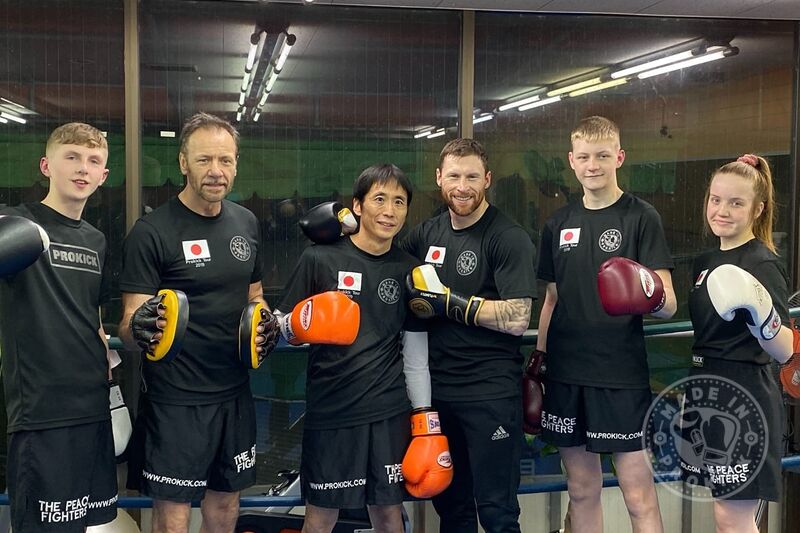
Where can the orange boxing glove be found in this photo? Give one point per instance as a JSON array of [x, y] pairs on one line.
[[427, 467], [326, 318]]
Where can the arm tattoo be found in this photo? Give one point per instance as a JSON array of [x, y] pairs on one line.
[[513, 315]]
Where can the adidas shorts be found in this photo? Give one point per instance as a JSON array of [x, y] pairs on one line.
[[351, 467], [179, 451], [62, 479], [604, 420]]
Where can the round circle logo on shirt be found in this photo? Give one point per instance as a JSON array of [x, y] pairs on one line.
[[610, 240], [709, 431], [466, 263], [240, 248], [389, 291]]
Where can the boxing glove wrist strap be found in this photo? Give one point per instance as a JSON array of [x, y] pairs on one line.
[[424, 421], [462, 309], [536, 364], [767, 330]]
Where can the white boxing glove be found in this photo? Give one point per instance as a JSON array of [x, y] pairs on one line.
[[731, 288], [120, 419]]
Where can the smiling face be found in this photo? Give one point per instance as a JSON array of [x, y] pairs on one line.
[[463, 181], [209, 164], [732, 208], [383, 212], [596, 163], [75, 172]]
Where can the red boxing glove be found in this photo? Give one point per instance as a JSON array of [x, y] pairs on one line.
[[427, 466], [532, 393], [628, 288]]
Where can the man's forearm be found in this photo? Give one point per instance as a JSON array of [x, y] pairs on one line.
[[507, 316]]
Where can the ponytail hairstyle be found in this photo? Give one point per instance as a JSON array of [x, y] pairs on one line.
[[755, 169]]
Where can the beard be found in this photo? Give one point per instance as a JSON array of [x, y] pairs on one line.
[[462, 209]]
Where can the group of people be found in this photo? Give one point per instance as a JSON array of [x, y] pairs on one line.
[[428, 327]]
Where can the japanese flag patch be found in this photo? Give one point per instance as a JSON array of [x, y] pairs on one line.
[[349, 281], [435, 255]]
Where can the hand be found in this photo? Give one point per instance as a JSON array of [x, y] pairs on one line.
[[258, 334], [159, 324], [628, 288], [326, 318], [428, 297], [731, 288], [326, 222], [427, 466], [533, 393]]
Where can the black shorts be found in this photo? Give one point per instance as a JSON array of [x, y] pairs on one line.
[[736, 451], [351, 467], [178, 451], [604, 420], [62, 479]]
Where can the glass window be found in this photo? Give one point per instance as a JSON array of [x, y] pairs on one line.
[[676, 126]]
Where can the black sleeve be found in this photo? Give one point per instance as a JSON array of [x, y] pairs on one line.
[[105, 279], [512, 262], [258, 268], [546, 271], [302, 285], [142, 255], [410, 243], [773, 277], [653, 250]]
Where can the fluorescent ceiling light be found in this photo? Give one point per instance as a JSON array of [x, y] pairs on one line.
[[540, 103], [257, 115], [482, 118], [683, 64], [573, 87], [3, 121], [241, 98], [245, 80], [424, 133], [15, 118], [104, 133], [239, 114], [166, 133], [593, 88], [285, 48], [674, 58], [437, 133], [251, 55], [263, 99], [518, 103], [273, 77]]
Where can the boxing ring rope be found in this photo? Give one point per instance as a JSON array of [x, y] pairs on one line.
[[669, 328]]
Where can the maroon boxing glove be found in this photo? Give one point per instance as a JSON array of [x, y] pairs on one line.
[[532, 393], [628, 288]]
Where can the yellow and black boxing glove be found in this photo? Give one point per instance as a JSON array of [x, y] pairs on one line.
[[167, 314], [428, 297], [259, 332]]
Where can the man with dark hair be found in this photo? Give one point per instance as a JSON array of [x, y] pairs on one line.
[[356, 424], [474, 249], [196, 433]]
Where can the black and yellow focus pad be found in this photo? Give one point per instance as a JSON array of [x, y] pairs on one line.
[[255, 314], [144, 325]]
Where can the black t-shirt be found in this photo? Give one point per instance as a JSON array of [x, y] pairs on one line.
[[715, 337], [493, 259], [213, 260], [585, 345], [55, 369], [363, 382]]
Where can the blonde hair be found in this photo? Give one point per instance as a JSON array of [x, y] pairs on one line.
[[755, 169], [77, 133], [594, 129]]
